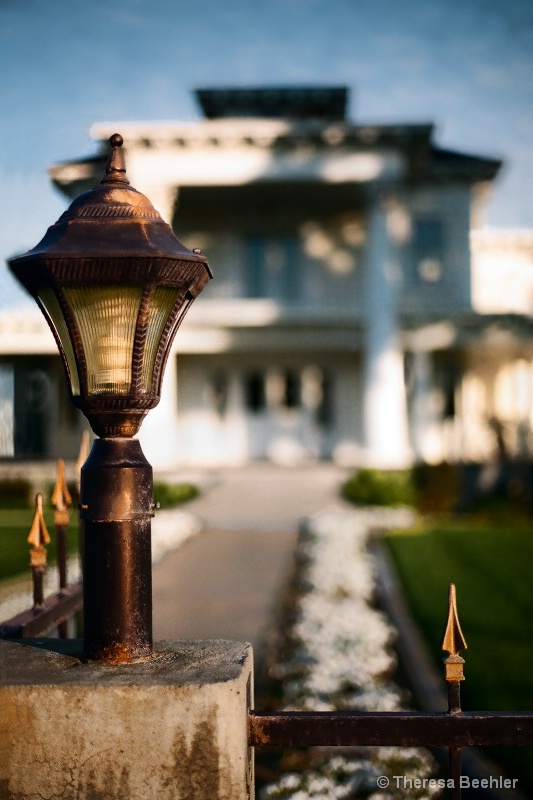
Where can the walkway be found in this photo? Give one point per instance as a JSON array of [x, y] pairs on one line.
[[226, 582]]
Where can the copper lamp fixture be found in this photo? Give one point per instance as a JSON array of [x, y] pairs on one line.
[[114, 284]]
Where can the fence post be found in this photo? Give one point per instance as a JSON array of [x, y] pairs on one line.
[[38, 537], [61, 500], [453, 642]]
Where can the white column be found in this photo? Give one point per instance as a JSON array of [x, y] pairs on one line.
[[426, 433], [159, 434], [7, 410], [148, 172], [384, 400], [162, 196]]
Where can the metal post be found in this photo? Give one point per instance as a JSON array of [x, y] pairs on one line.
[[37, 573], [454, 753], [38, 537], [61, 532], [61, 499], [453, 642], [116, 506]]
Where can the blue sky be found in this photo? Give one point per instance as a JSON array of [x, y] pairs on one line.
[[466, 65]]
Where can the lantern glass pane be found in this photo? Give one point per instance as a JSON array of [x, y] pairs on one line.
[[107, 319], [52, 310], [162, 302]]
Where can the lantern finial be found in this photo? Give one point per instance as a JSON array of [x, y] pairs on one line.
[[115, 171]]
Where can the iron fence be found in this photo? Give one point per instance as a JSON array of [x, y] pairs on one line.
[[453, 729], [54, 611]]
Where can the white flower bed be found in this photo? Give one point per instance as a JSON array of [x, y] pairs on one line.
[[340, 657]]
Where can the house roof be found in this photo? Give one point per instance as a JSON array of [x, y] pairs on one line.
[[452, 162], [424, 161], [279, 102], [291, 126]]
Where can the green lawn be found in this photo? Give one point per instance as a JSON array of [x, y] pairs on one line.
[[490, 561], [15, 525]]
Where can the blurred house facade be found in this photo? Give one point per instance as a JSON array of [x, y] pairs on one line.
[[346, 319]]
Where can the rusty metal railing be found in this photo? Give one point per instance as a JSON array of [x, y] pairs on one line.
[[452, 729], [54, 611]]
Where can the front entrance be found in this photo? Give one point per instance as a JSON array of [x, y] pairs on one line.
[[289, 411], [282, 410]]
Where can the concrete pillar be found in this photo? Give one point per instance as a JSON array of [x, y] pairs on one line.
[[172, 727], [384, 400]]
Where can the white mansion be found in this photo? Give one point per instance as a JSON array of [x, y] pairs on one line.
[[353, 314]]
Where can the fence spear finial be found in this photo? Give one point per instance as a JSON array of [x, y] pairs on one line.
[[453, 640], [61, 498], [38, 537]]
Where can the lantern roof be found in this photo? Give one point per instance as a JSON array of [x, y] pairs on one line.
[[112, 220]]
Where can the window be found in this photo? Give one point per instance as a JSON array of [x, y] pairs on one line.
[[34, 409], [291, 390], [448, 377], [291, 395], [428, 250], [219, 390], [254, 389], [273, 268]]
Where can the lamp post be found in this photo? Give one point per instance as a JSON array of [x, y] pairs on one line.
[[114, 284]]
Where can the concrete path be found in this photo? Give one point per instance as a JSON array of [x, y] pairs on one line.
[[227, 581]]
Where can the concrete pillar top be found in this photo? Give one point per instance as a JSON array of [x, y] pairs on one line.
[[172, 727], [178, 663]]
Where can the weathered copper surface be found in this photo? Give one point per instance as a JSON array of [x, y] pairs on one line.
[[116, 507]]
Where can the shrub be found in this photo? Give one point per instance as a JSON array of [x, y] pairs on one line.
[[16, 492], [438, 487], [172, 494], [373, 487]]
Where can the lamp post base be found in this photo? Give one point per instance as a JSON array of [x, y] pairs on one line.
[[116, 506]]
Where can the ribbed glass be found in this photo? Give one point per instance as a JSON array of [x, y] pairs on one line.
[[106, 317], [50, 305], [162, 303]]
